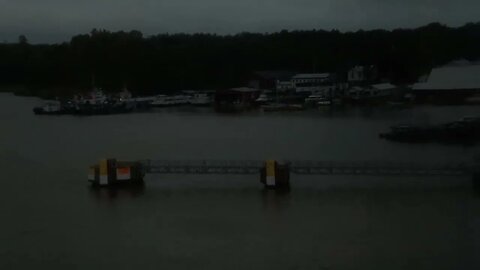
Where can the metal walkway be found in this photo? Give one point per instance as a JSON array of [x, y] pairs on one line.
[[308, 168]]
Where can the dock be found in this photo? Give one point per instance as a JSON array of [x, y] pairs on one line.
[[273, 174], [247, 167]]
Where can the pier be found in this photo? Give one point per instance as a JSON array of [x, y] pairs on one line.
[[276, 175], [308, 167], [273, 174]]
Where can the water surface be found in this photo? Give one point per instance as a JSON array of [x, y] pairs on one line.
[[51, 218]]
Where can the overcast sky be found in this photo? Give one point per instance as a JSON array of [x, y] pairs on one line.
[[58, 20]]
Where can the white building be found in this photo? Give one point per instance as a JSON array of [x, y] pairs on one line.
[[361, 74], [356, 74], [319, 83], [451, 77], [452, 83], [283, 86]]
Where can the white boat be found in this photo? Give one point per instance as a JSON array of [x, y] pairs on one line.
[[166, 101], [263, 99], [201, 99], [140, 103], [314, 98], [51, 107], [324, 102], [276, 107], [96, 97]]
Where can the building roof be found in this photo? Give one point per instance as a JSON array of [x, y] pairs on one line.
[[312, 76], [452, 77]]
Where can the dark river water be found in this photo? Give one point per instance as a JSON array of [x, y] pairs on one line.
[[51, 219]]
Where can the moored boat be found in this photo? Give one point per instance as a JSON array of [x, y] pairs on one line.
[[263, 99], [463, 131], [50, 108], [201, 99], [324, 102], [314, 98], [279, 107], [168, 101]]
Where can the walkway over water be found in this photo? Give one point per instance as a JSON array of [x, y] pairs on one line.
[[309, 167]]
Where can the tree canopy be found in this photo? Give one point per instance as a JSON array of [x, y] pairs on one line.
[[162, 62]]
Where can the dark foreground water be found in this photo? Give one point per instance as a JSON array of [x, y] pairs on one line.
[[51, 219]]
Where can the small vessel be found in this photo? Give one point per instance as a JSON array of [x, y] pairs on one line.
[[274, 107], [96, 97], [324, 102], [462, 131], [142, 103], [168, 101], [399, 104], [279, 107], [201, 99], [314, 98], [95, 102], [317, 100], [370, 95], [108, 107], [98, 103], [263, 99], [296, 107], [407, 133], [49, 108]]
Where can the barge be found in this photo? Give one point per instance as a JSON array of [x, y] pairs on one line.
[[465, 130]]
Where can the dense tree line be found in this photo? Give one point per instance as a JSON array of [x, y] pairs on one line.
[[208, 61]]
